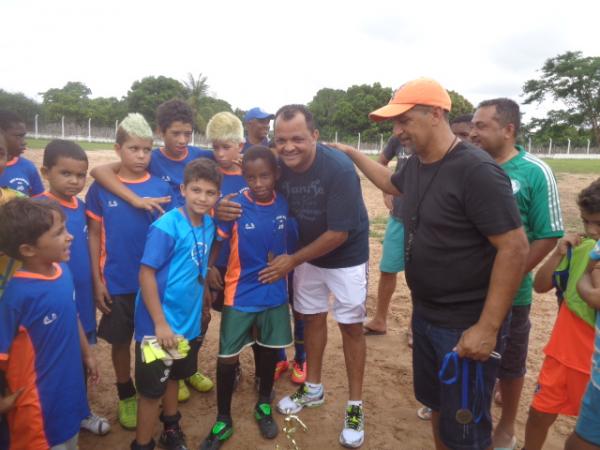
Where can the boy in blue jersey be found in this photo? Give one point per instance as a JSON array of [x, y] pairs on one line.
[[174, 119], [117, 235], [257, 237], [170, 304], [42, 343], [20, 173], [65, 166]]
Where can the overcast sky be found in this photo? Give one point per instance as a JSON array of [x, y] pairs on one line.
[[270, 53]]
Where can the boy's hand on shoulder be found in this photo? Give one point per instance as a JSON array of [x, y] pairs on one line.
[[7, 403], [165, 336], [152, 204], [91, 366], [226, 210], [569, 240], [214, 279], [102, 298]]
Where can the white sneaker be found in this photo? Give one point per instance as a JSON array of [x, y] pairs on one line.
[[353, 434], [294, 403], [95, 424]]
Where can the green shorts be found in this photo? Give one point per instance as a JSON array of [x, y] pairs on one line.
[[269, 328], [392, 259]]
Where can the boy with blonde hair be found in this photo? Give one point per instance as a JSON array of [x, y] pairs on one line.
[[117, 235]]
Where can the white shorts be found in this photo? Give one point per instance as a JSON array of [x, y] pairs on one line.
[[313, 286]]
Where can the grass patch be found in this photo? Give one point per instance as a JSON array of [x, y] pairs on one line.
[[574, 165], [377, 227], [41, 143]]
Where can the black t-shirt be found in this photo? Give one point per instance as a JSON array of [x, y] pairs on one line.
[[393, 149], [449, 266], [328, 196]]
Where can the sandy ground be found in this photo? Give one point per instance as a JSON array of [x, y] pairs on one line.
[[391, 422]]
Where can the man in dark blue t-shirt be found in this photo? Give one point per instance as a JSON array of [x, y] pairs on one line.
[[324, 195]]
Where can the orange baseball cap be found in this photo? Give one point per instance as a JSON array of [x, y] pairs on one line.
[[422, 91]]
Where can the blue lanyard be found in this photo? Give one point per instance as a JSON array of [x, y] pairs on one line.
[[199, 252], [476, 408]]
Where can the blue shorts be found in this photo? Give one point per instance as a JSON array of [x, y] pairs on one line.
[[392, 259], [588, 422], [430, 344]]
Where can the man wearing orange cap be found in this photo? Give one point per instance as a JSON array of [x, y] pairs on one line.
[[465, 253]]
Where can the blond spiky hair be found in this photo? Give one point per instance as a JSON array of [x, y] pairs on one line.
[[135, 125], [225, 126]]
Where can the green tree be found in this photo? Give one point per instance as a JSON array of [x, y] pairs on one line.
[[208, 107], [460, 105], [146, 94], [195, 90], [71, 101], [104, 111], [574, 80], [20, 104], [324, 106], [558, 126]]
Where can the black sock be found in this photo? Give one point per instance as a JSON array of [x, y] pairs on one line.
[[225, 381], [126, 390], [266, 371], [149, 446], [170, 422], [256, 352]]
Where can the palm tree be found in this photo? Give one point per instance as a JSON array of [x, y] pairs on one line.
[[196, 89]]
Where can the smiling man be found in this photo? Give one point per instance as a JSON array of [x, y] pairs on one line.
[[324, 195], [257, 123], [465, 254]]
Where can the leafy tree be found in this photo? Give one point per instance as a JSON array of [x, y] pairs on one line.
[[208, 107], [460, 105], [324, 106], [20, 104], [575, 81], [558, 126], [146, 94], [106, 110], [71, 101]]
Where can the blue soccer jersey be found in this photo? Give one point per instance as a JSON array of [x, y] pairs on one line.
[[21, 175], [178, 253], [124, 230], [171, 170], [257, 236], [233, 181], [40, 351], [79, 263]]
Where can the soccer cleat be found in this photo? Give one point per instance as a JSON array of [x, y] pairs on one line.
[[353, 434], [183, 393], [298, 375], [280, 368], [128, 413], [200, 382], [294, 403], [172, 439], [95, 424], [219, 433], [266, 424]]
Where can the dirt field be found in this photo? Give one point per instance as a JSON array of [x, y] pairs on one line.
[[391, 422]]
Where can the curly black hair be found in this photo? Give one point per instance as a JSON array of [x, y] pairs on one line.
[[173, 110], [588, 200]]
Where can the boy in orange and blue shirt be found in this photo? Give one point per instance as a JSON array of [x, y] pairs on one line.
[[42, 343], [566, 368], [117, 235]]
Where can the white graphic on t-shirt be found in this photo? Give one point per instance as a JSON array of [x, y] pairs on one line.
[[50, 318]]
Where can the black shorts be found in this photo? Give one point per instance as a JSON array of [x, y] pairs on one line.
[[514, 358], [151, 379], [117, 326], [219, 296]]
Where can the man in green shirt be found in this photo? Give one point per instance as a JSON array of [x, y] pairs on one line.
[[496, 125]]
